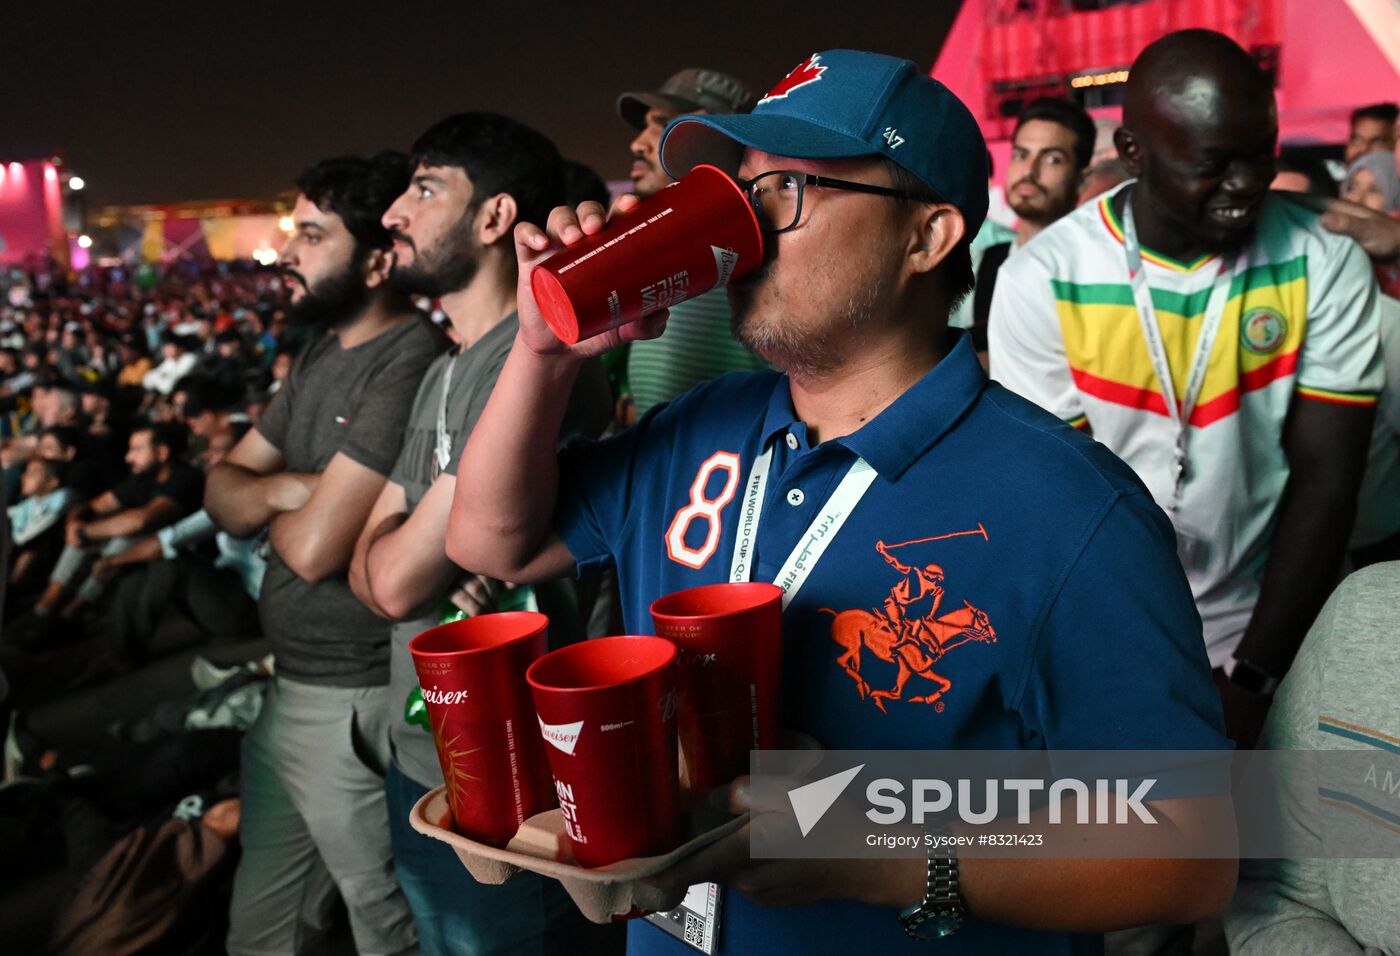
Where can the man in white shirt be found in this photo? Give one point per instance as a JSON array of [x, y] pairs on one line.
[[1221, 342]]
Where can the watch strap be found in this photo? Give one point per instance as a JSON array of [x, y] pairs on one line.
[[941, 912], [1252, 678]]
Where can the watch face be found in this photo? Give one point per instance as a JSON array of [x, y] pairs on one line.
[[937, 927], [946, 925]]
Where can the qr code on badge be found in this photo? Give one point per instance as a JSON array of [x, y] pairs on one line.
[[694, 930]]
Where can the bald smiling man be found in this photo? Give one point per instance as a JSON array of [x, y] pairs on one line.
[[1221, 342]]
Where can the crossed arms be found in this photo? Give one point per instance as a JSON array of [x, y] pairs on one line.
[[312, 519]]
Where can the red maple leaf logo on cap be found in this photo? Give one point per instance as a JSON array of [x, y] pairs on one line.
[[808, 71]]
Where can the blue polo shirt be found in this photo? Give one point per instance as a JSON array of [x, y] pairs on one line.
[[1028, 548]]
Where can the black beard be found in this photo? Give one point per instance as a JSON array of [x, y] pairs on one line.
[[443, 269], [332, 302]]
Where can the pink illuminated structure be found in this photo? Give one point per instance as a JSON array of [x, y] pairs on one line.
[[1327, 56], [31, 211]]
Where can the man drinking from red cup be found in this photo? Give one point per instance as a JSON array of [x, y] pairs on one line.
[[906, 507]]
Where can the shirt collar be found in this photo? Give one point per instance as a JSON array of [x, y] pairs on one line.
[[912, 424]]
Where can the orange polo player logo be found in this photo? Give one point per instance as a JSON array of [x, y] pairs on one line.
[[908, 630]]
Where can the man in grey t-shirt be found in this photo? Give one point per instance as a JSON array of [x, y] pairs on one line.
[[477, 175], [314, 819]]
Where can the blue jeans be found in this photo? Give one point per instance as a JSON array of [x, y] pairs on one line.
[[457, 916]]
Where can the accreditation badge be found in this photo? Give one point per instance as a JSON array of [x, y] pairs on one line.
[[696, 921]]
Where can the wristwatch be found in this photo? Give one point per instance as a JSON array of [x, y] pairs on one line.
[[1252, 678], [941, 912]]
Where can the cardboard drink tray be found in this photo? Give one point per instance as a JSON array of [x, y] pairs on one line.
[[540, 846], [602, 893]]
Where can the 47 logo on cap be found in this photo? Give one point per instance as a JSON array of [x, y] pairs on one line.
[[808, 71]]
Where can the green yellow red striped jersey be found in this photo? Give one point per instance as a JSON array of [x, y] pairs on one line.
[[1300, 321]]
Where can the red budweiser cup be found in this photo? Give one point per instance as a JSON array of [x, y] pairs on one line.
[[731, 657], [693, 236], [472, 674], [607, 713]]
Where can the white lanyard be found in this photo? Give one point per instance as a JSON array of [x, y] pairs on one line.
[[442, 451], [1205, 343], [814, 541]]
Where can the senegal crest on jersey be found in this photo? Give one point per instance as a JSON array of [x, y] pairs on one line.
[[1263, 330]]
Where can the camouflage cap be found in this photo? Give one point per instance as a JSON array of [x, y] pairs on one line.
[[688, 91]]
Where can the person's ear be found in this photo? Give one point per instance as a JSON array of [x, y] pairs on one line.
[[377, 267], [940, 228], [1130, 150], [496, 219]]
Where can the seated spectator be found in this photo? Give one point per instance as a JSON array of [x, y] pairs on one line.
[[104, 362], [161, 490], [88, 474], [45, 500], [280, 369], [13, 377], [100, 406], [225, 370], [207, 416], [72, 353], [1339, 695], [172, 567], [53, 403], [36, 528], [135, 363], [179, 361]]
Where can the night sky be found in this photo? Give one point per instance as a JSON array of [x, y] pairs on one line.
[[163, 102]]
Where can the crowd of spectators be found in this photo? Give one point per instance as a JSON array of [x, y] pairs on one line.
[[269, 457]]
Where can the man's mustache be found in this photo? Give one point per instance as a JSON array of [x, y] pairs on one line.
[[396, 236], [290, 273], [1028, 182]]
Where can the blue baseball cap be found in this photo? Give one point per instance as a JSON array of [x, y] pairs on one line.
[[844, 104]]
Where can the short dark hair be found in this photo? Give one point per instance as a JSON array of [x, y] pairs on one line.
[[1385, 112], [1320, 181], [65, 435], [499, 155], [171, 435], [358, 189], [956, 268], [1072, 117]]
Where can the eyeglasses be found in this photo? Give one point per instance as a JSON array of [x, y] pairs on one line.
[[776, 196]]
